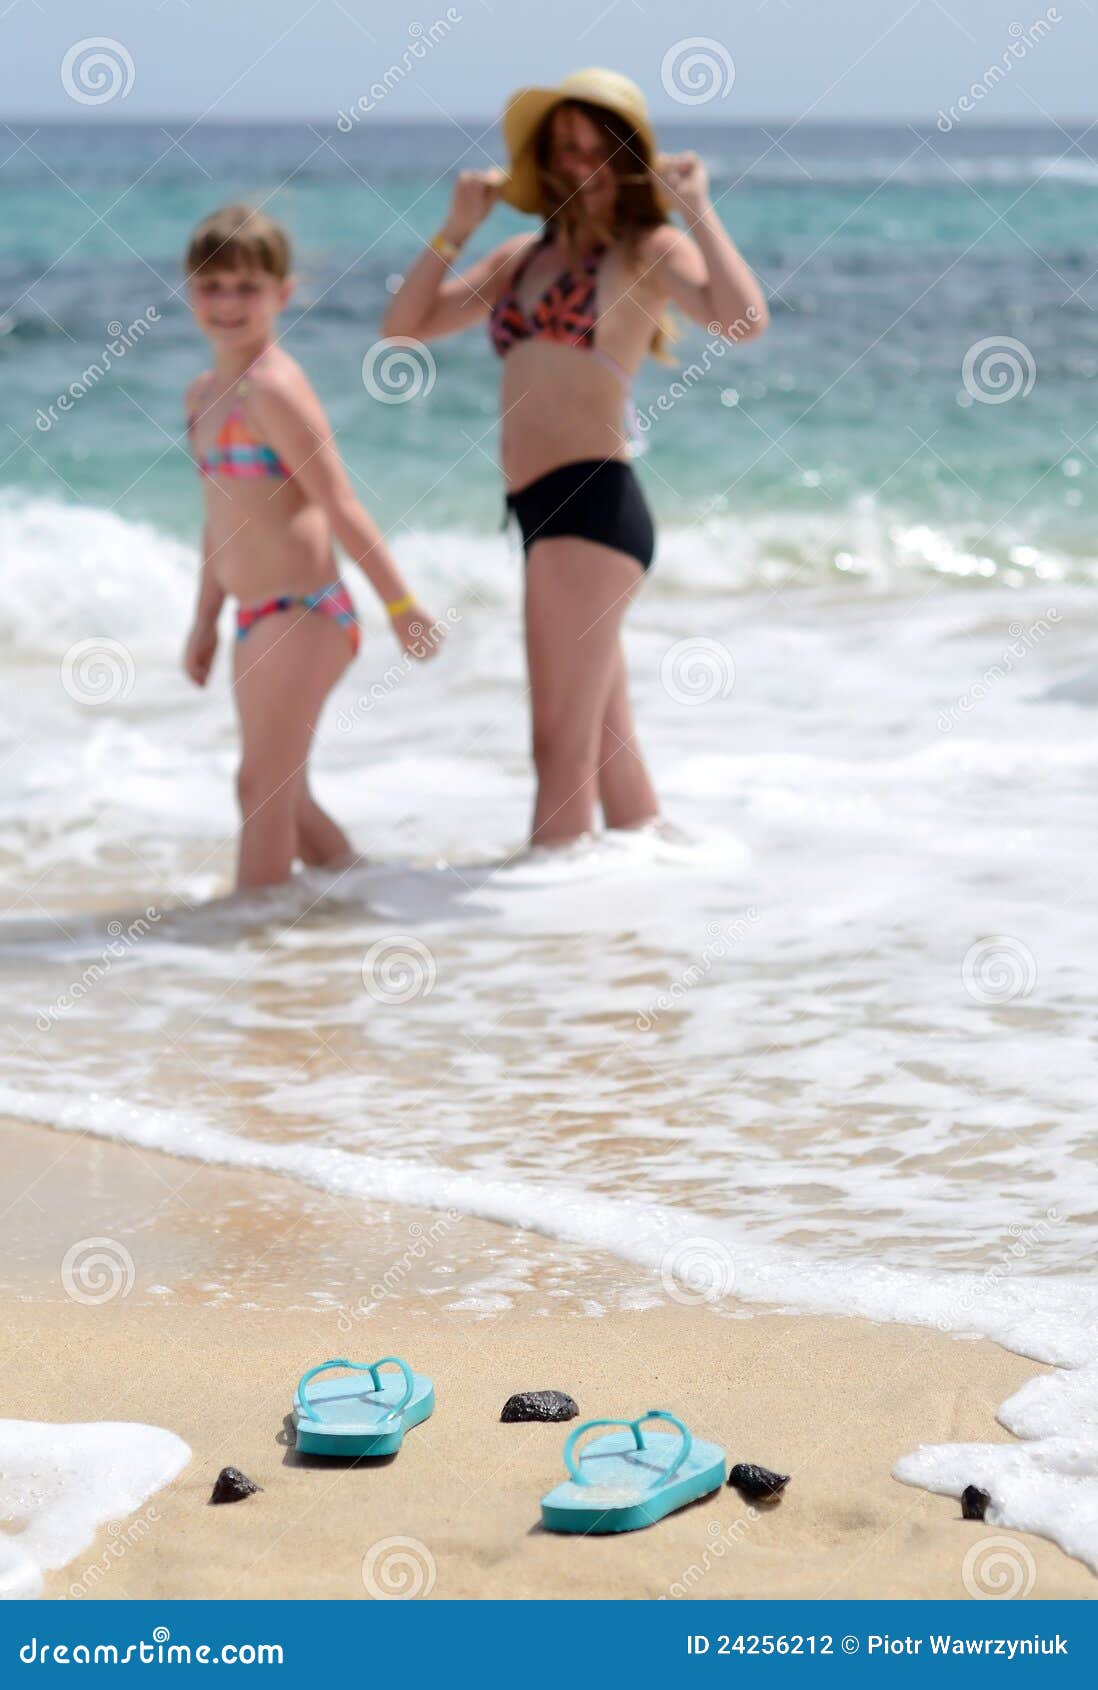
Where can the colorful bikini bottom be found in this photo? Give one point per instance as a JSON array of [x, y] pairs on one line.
[[333, 600]]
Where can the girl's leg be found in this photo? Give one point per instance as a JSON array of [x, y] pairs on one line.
[[284, 671], [576, 595], [626, 793], [320, 841]]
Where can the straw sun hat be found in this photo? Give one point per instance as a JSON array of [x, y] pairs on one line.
[[526, 110]]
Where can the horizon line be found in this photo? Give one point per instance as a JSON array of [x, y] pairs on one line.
[[77, 121]]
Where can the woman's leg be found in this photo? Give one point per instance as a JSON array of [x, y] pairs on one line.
[[284, 671], [626, 793], [577, 593]]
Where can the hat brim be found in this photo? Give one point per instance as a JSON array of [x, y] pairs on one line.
[[524, 115]]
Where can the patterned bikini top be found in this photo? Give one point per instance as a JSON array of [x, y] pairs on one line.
[[236, 452], [566, 312]]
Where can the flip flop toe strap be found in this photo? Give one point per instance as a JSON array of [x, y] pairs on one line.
[[633, 1426], [373, 1368]]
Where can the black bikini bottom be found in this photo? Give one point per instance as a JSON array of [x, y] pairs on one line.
[[596, 499]]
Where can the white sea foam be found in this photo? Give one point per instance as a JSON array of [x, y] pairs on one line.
[[60, 1483], [97, 573], [94, 573], [1047, 1483]]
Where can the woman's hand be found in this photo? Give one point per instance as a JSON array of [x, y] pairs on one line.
[[416, 633], [475, 193], [199, 652], [685, 182]]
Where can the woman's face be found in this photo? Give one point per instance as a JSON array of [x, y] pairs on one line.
[[579, 154]]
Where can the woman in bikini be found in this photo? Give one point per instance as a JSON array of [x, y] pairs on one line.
[[572, 311], [277, 499]]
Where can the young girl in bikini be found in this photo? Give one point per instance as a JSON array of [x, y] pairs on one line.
[[276, 497]]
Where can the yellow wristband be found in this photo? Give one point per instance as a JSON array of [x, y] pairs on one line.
[[446, 249], [399, 606]]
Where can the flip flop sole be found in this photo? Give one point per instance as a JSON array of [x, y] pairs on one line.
[[617, 1497], [350, 1422]]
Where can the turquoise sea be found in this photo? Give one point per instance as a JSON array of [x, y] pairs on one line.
[[888, 253]]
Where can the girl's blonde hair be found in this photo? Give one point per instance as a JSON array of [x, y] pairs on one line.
[[236, 237]]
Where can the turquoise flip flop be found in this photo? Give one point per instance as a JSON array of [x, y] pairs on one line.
[[625, 1481], [340, 1418]]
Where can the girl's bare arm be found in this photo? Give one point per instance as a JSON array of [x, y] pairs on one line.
[[202, 641], [291, 419]]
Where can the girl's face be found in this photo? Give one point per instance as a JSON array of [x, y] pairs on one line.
[[237, 308], [579, 154]]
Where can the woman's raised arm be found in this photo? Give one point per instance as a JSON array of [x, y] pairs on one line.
[[702, 270], [433, 299]]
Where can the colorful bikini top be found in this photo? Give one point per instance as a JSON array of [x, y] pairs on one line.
[[236, 452], [565, 313]]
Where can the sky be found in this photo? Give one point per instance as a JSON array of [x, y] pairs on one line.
[[741, 60]]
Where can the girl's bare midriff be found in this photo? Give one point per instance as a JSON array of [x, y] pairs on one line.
[[265, 539], [560, 404]]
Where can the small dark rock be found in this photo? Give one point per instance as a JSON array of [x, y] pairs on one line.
[[974, 1503], [758, 1484], [231, 1485], [539, 1405]]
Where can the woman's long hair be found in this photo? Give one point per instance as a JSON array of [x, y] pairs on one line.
[[636, 207]]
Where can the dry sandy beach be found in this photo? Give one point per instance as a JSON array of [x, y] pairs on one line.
[[834, 1402]]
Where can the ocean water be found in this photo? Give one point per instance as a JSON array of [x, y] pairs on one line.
[[833, 1047]]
